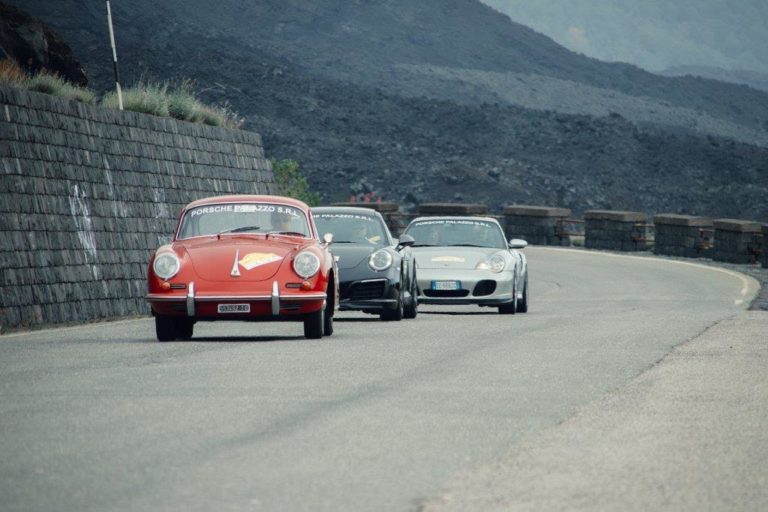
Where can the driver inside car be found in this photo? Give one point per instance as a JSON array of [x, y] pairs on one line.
[[281, 221]]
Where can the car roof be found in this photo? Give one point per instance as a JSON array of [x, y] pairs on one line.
[[344, 209], [248, 198]]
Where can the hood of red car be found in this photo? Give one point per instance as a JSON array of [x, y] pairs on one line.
[[237, 258]]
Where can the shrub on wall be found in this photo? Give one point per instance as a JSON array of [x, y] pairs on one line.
[[48, 83], [178, 102], [157, 99], [292, 183]]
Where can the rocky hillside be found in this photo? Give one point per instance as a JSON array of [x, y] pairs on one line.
[[36, 47], [414, 101]]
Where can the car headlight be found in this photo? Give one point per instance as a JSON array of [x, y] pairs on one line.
[[380, 260], [306, 264], [166, 265], [495, 263]]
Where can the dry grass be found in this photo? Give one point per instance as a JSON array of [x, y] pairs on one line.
[[11, 73], [178, 102], [48, 83], [158, 99]]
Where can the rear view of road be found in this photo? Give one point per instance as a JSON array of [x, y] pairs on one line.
[[381, 416]]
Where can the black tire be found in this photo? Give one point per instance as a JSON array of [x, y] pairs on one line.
[[412, 308], [522, 305], [314, 325], [396, 314], [165, 328], [185, 328], [511, 308], [327, 321]]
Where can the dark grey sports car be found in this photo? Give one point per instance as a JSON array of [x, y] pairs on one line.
[[376, 273]]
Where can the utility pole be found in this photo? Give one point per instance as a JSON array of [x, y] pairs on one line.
[[114, 58]]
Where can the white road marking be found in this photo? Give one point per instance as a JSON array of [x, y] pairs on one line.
[[747, 282]]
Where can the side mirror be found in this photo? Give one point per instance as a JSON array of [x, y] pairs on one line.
[[406, 241], [516, 243], [328, 238]]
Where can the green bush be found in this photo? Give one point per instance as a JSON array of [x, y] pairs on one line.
[[292, 183]]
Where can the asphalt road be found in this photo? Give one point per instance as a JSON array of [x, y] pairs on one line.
[[378, 417]]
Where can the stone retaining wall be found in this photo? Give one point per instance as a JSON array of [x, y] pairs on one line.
[[87, 193], [616, 230], [539, 225], [683, 235], [765, 245], [737, 241], [437, 209]]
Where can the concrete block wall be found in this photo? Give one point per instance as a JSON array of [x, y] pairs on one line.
[[683, 235], [539, 225], [438, 209], [737, 241], [616, 230], [87, 193]]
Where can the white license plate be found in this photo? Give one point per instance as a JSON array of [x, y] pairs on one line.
[[234, 308], [446, 285]]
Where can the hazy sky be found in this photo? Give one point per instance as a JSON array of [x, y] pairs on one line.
[[654, 34]]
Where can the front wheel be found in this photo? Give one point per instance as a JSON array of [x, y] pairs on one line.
[[522, 305], [394, 315], [165, 328], [327, 321], [412, 309], [511, 308], [314, 324]]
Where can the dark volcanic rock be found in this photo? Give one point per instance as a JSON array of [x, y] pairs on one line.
[[35, 46]]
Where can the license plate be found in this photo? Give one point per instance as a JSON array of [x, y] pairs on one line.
[[446, 285], [234, 308]]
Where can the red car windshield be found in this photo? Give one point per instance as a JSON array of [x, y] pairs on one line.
[[231, 218]]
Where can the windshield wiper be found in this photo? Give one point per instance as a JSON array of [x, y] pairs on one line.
[[466, 245], [345, 242], [288, 233], [423, 245], [238, 230]]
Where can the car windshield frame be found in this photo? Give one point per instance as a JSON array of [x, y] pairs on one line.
[[265, 208], [386, 236], [500, 241]]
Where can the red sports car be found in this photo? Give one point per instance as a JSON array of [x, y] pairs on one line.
[[243, 257]]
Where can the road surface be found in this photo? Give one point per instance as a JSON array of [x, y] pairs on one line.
[[381, 416]]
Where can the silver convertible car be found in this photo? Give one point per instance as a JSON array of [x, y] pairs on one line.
[[467, 260]]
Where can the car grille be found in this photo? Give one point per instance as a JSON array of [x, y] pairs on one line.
[[446, 293], [484, 287], [367, 290]]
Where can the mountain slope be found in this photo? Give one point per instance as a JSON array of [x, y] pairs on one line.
[[369, 42], [352, 137]]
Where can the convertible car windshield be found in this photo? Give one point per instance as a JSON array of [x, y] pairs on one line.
[[229, 218], [352, 228], [457, 232]]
